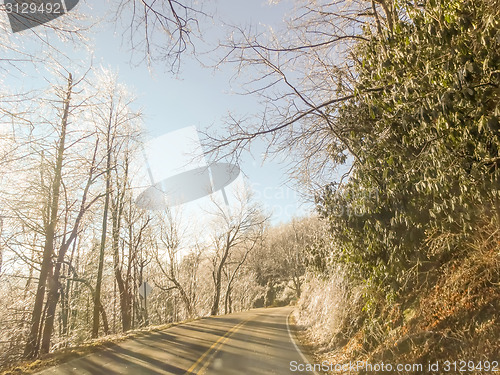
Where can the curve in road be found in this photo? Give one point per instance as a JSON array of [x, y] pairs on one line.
[[255, 342]]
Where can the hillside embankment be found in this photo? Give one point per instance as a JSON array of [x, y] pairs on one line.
[[445, 320]]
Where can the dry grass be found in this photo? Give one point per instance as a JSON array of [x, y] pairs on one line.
[[328, 313], [67, 354], [458, 318], [453, 315]]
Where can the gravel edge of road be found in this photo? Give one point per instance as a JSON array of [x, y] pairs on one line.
[[304, 354], [68, 354]]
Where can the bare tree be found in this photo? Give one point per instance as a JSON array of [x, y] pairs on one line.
[[64, 196], [42, 46], [234, 266], [279, 263], [114, 119], [138, 238], [123, 260], [242, 227], [301, 75], [171, 236], [190, 266], [290, 243], [31, 349], [161, 30], [54, 279]]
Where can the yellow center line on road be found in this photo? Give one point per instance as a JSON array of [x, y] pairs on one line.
[[213, 349]]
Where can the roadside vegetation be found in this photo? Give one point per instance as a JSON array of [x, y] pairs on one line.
[[406, 94], [413, 267], [388, 113]]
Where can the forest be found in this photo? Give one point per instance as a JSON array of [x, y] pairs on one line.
[[400, 258]]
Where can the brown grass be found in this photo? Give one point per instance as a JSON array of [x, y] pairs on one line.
[[453, 314], [67, 354]]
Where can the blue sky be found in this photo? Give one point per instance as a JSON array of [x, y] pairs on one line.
[[201, 96], [197, 96]]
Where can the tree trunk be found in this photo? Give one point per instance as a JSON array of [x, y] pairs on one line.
[[123, 284], [217, 284], [228, 308], [227, 301], [125, 299], [52, 299], [31, 349], [65, 309], [105, 323], [97, 295], [125, 305], [298, 286], [184, 296], [54, 280], [102, 247], [217, 275]]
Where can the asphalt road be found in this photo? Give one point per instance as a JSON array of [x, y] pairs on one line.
[[252, 342]]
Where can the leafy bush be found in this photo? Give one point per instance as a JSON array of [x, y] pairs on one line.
[[424, 130]]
